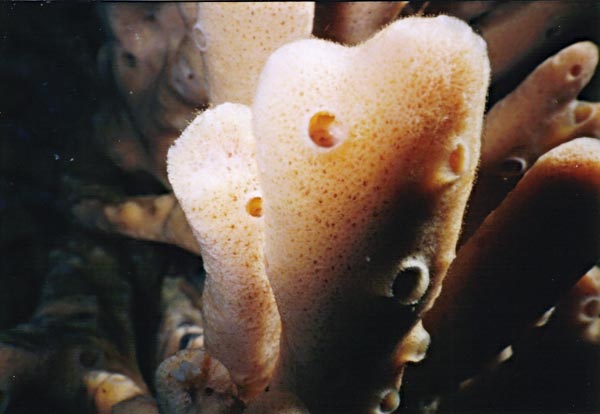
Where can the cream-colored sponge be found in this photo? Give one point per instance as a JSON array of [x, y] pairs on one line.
[[366, 158], [213, 173], [237, 38]]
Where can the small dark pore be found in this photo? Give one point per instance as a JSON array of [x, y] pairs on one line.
[[187, 339], [513, 166], [129, 59], [575, 70], [406, 281]]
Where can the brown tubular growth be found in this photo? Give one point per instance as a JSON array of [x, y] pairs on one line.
[[540, 114], [350, 23], [513, 29], [520, 33], [568, 343], [573, 334], [533, 247]]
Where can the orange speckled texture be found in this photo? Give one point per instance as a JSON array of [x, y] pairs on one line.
[[237, 38], [340, 219], [214, 176]]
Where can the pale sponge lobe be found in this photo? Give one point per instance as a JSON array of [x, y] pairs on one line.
[[366, 158], [213, 173], [237, 38]]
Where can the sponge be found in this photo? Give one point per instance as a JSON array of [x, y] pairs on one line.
[[366, 157], [237, 38], [214, 177]]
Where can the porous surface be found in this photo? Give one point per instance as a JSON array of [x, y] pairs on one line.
[[237, 38], [214, 176], [366, 158]]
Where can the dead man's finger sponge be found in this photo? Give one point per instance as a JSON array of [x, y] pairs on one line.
[[366, 158], [214, 175]]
